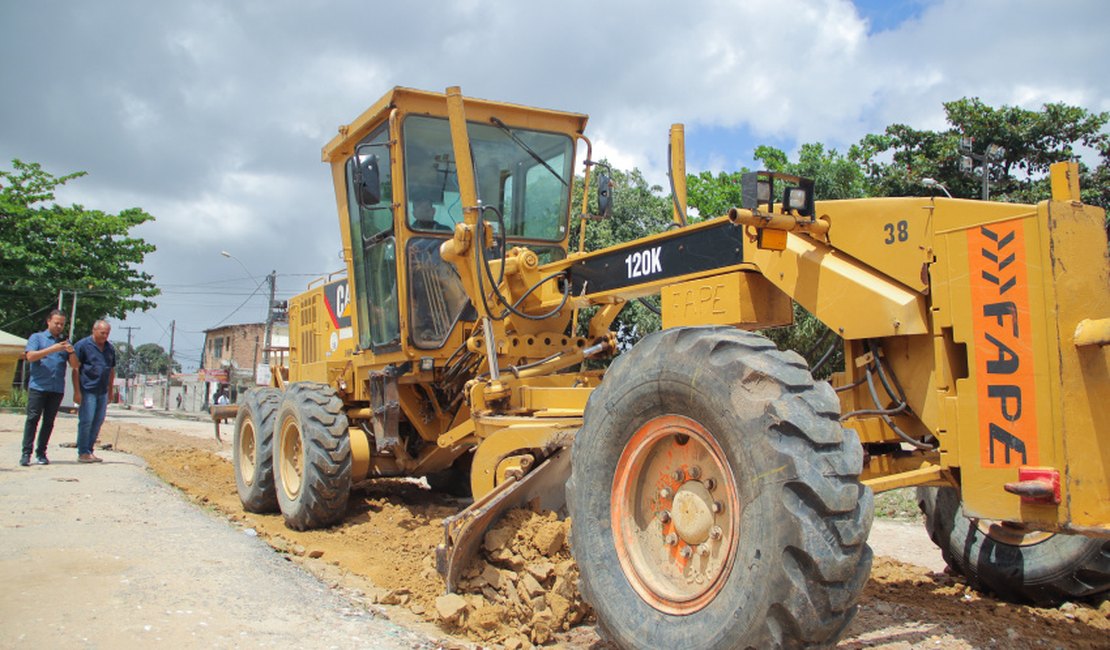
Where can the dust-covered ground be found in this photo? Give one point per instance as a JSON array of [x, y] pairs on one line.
[[522, 592]]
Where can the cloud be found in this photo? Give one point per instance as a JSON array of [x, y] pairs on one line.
[[211, 115]]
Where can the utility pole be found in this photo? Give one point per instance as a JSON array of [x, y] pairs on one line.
[[169, 368], [72, 312], [130, 366], [269, 317]]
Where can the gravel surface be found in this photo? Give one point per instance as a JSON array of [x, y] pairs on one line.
[[108, 556]]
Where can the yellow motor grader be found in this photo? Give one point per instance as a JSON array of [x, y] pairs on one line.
[[720, 496]]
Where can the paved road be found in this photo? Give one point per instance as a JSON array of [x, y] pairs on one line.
[[107, 556]]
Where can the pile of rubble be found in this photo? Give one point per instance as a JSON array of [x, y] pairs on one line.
[[523, 587]]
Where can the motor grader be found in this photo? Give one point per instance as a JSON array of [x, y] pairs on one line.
[[720, 496]]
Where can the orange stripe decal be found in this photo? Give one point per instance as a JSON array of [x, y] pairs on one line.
[[1003, 345]]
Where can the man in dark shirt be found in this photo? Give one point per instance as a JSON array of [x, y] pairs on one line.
[[48, 352], [92, 384]]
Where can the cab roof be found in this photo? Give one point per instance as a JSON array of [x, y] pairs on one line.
[[411, 100]]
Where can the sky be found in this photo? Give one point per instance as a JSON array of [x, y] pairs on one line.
[[211, 115]]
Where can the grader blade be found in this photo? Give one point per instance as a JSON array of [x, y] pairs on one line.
[[464, 532]]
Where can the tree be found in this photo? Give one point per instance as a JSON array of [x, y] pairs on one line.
[[834, 176], [46, 248], [639, 210], [897, 160], [711, 195], [146, 359]]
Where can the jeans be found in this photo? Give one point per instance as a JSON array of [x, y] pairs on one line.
[[40, 404], [90, 415]]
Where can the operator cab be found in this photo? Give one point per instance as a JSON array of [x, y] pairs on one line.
[[403, 201]]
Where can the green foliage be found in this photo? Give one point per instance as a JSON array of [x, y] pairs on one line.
[[146, 359], [1095, 188], [889, 164], [900, 505], [639, 210], [835, 176], [45, 248], [713, 196], [17, 399], [897, 160]]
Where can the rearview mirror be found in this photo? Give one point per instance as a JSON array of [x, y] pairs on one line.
[[604, 196], [368, 181]]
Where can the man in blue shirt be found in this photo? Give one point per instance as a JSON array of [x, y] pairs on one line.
[[93, 377], [48, 352]]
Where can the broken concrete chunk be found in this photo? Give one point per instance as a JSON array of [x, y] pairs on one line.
[[531, 585], [550, 540], [491, 576], [396, 597], [451, 607], [491, 595], [497, 539], [560, 606], [541, 570]]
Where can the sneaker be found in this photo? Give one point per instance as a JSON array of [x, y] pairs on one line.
[[89, 458], [41, 459], [25, 460]]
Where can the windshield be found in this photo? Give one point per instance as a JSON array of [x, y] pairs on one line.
[[525, 174]]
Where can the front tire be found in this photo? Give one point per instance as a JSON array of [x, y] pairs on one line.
[[252, 450], [312, 457], [715, 497], [1016, 565]]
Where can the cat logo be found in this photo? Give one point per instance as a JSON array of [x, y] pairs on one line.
[[1003, 345], [337, 297]]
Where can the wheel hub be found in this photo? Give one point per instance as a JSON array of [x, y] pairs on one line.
[[693, 513], [675, 514]]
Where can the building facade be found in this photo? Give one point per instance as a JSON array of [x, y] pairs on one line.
[[236, 357]]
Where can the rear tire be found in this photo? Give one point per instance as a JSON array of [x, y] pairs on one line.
[[764, 540], [252, 450], [1030, 567], [312, 457]]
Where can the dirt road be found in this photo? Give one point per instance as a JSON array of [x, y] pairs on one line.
[[378, 563], [109, 556]]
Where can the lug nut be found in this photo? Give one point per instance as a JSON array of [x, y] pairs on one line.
[[715, 532], [686, 552], [703, 550], [710, 484], [695, 472], [664, 516], [665, 493], [679, 475], [717, 507], [671, 539]]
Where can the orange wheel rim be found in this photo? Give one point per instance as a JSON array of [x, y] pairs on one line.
[[292, 458], [247, 451], [675, 514]]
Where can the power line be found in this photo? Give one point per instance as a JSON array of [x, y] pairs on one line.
[[241, 305]]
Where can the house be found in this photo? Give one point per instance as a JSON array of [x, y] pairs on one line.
[[11, 353], [236, 355]]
